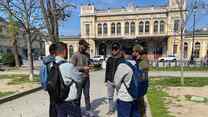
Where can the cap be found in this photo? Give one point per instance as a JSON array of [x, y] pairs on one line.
[[115, 46]]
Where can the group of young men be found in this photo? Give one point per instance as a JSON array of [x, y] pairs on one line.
[[75, 77], [118, 77]]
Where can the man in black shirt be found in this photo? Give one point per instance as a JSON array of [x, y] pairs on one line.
[[111, 66]]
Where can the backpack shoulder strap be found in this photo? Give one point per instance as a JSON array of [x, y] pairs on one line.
[[128, 63], [60, 62]]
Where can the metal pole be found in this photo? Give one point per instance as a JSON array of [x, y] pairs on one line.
[[193, 36], [181, 44]]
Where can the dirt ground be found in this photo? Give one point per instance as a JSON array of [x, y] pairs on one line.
[[180, 106], [4, 87]]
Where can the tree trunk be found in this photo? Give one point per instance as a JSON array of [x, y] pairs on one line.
[[181, 42], [30, 57], [15, 52], [50, 19]]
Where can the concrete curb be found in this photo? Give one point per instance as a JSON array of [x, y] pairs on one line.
[[148, 111], [18, 95]]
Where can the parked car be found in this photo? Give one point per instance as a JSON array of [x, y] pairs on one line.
[[168, 58], [97, 58]]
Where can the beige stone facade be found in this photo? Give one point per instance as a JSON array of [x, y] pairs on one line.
[[157, 28], [73, 45], [200, 45]]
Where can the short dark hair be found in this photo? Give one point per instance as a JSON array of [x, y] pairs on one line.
[[60, 46], [52, 48], [83, 42], [126, 50]]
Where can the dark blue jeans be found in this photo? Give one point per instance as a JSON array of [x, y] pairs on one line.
[[68, 109], [127, 109], [85, 88]]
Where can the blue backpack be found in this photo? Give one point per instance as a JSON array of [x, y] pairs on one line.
[[138, 84], [44, 70]]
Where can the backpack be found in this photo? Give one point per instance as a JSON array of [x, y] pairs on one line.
[[44, 70], [138, 85], [57, 89]]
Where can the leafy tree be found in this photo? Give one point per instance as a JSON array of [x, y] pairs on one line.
[[27, 14], [13, 32]]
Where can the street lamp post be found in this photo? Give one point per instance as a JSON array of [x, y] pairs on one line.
[[193, 36]]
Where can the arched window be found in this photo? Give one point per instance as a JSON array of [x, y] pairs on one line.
[[175, 49], [132, 28], [113, 30], [102, 49], [71, 51], [127, 28], [141, 27], [156, 26], [105, 29], [162, 26], [185, 50], [99, 29], [118, 28], [147, 25], [197, 50]]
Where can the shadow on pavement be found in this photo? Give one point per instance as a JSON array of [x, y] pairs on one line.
[[95, 104]]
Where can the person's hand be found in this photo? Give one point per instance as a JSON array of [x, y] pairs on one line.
[[86, 69], [90, 66]]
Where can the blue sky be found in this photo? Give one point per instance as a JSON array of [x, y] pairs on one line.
[[72, 25]]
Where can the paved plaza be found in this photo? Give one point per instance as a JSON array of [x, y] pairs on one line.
[[36, 104]]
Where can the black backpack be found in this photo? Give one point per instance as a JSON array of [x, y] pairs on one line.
[[57, 90]]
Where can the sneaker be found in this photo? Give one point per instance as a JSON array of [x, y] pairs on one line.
[[90, 114]]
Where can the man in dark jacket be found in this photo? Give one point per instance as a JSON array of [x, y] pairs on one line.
[[111, 66]]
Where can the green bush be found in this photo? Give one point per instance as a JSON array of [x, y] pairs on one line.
[[8, 59]]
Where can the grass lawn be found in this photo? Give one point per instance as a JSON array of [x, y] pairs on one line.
[[2, 94], [156, 98], [156, 95], [175, 81], [203, 69], [19, 79]]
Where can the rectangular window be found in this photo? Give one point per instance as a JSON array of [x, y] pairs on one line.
[[87, 29], [176, 25]]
